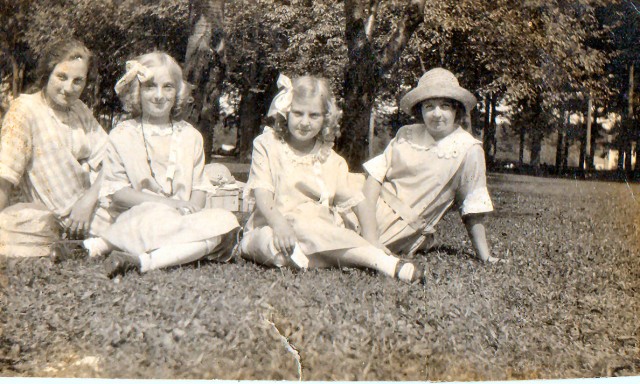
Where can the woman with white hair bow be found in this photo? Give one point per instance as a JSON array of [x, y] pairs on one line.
[[154, 184]]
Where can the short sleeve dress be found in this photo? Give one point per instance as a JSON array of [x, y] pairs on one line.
[[167, 162], [53, 163], [421, 182], [309, 190]]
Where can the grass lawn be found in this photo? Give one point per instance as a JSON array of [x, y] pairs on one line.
[[564, 305]]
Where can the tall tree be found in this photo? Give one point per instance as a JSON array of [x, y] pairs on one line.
[[269, 37], [133, 27], [204, 66], [366, 66], [13, 45]]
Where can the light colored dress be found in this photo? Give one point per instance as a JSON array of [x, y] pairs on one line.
[[53, 162], [421, 182], [310, 191], [176, 157]]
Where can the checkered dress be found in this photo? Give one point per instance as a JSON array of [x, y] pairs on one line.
[[52, 161]]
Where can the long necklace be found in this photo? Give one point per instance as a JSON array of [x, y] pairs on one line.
[[146, 150], [62, 123]]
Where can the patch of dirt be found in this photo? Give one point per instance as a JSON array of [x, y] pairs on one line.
[[564, 305]]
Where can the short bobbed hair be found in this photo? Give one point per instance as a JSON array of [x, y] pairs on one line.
[[57, 52], [130, 97], [462, 117], [312, 86]]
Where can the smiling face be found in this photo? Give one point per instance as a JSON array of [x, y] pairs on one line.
[[305, 120], [66, 83], [158, 96], [439, 117]]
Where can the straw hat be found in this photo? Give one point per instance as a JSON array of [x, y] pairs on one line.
[[437, 83]]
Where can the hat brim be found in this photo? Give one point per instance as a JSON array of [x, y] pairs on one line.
[[418, 94]]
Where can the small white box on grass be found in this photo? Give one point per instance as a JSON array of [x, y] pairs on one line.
[[228, 199]]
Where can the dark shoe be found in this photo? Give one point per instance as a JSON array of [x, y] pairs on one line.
[[235, 251], [229, 249], [417, 276], [119, 263], [67, 249]]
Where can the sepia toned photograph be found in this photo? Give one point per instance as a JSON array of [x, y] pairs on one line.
[[320, 190]]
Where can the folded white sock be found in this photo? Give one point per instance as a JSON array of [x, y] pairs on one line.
[[406, 272], [96, 246]]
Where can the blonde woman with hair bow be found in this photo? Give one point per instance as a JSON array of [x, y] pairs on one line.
[[300, 186], [154, 184]]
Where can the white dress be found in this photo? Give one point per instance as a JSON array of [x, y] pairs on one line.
[[175, 154], [310, 191], [422, 182]]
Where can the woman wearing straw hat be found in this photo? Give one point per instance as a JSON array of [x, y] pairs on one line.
[[428, 168]]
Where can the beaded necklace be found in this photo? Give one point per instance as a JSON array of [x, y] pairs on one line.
[[146, 150]]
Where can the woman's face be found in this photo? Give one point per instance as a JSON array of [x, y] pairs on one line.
[[158, 96], [66, 83], [439, 117], [305, 120]]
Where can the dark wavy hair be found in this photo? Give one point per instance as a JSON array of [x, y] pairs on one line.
[[461, 119], [311, 86], [57, 52], [131, 96]]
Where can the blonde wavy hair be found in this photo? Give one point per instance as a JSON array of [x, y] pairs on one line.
[[131, 96], [311, 86]]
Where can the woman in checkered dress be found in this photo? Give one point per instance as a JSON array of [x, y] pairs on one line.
[[51, 148]]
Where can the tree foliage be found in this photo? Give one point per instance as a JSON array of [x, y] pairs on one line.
[[538, 56]]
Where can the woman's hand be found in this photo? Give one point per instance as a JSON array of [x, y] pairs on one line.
[[78, 221], [185, 207], [475, 227], [284, 238]]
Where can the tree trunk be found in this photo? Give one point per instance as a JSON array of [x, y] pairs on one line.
[[559, 148], [537, 134], [583, 149], [523, 136], [587, 140], [249, 112], [621, 146], [593, 138], [486, 120], [562, 144], [15, 77], [205, 67], [365, 69], [565, 152], [360, 88], [631, 121], [536, 146], [488, 134], [372, 130], [628, 158], [492, 125]]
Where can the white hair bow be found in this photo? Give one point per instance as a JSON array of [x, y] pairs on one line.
[[282, 101], [135, 70]]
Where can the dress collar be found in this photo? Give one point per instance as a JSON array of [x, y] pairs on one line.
[[447, 147], [160, 130], [319, 154]]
